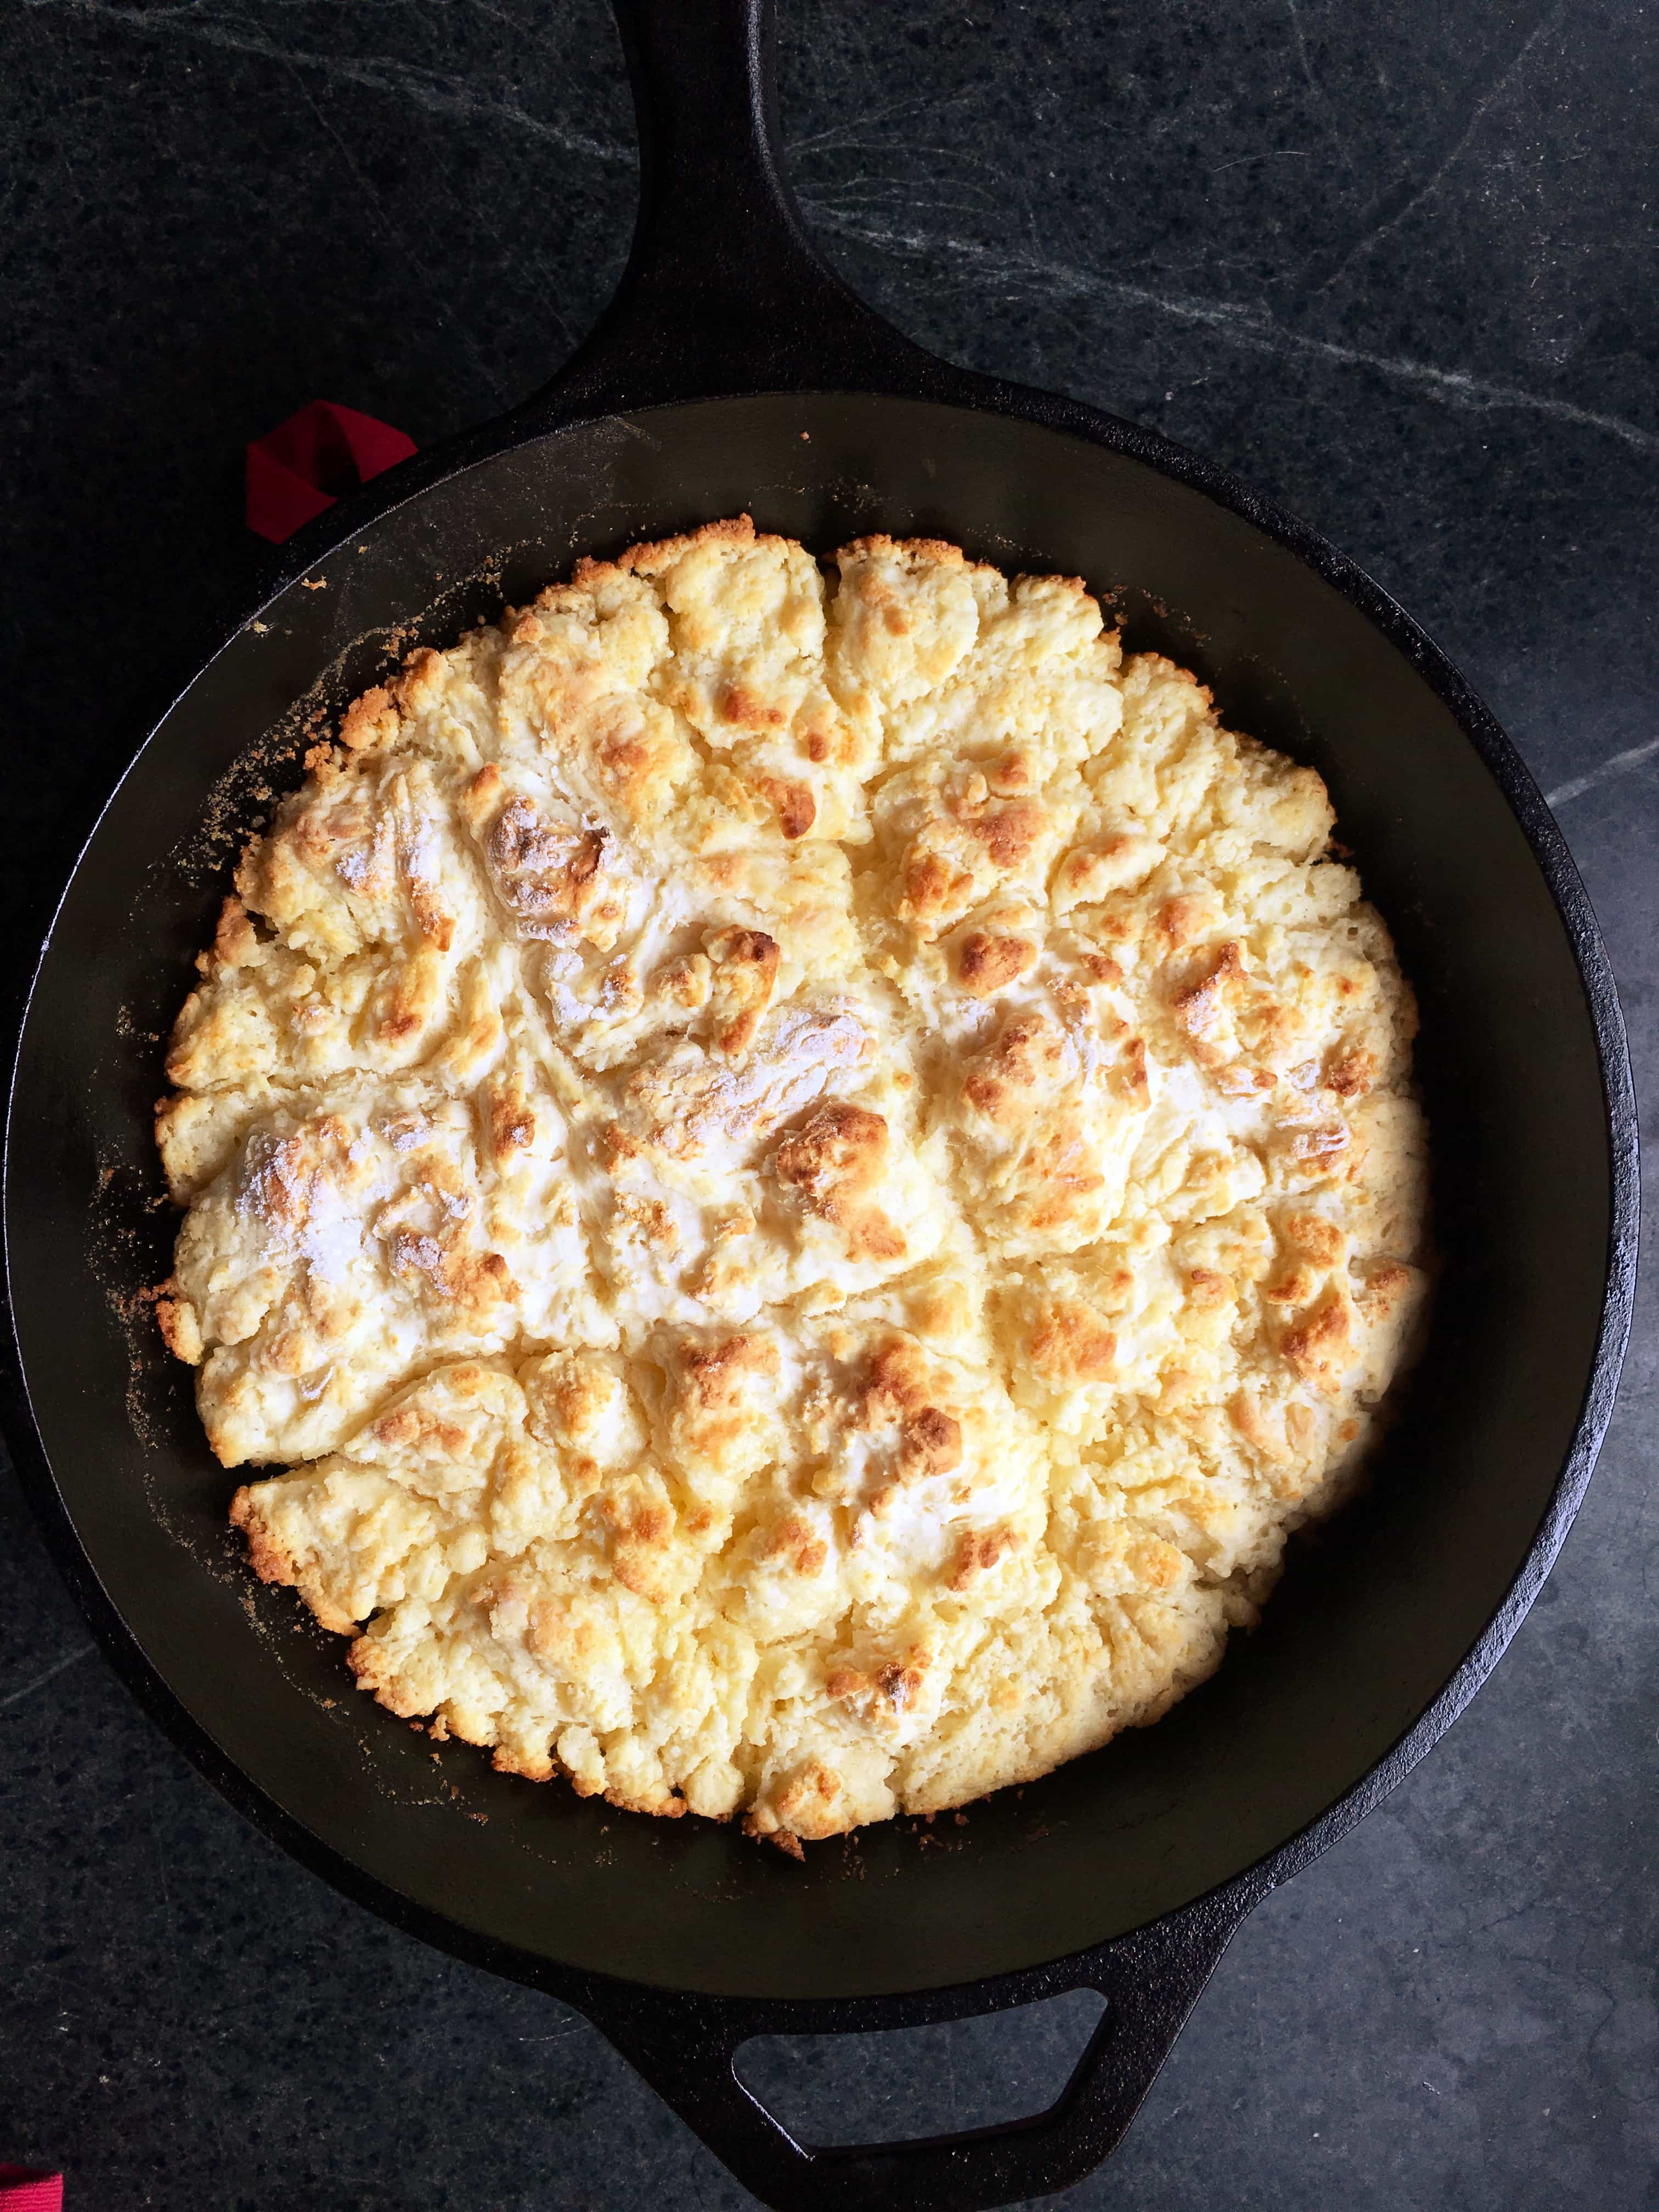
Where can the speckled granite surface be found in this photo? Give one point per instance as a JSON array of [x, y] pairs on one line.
[[1397, 267]]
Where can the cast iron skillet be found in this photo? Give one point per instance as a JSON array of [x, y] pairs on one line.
[[734, 371]]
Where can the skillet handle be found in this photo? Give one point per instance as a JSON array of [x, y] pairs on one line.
[[684, 2045], [723, 292]]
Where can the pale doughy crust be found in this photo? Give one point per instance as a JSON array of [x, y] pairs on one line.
[[815, 1169]]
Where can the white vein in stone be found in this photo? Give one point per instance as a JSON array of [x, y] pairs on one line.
[[16, 1697], [1280, 153], [1617, 764], [1449, 161], [440, 94], [1243, 326]]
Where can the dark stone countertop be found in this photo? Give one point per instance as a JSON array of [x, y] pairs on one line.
[[1397, 267]]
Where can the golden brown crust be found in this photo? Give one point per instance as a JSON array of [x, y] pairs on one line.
[[651, 556], [176, 1318], [807, 1171]]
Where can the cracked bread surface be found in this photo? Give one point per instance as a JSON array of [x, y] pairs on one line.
[[806, 1170]]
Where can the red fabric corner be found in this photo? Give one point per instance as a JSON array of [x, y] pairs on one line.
[[27, 2189], [302, 466]]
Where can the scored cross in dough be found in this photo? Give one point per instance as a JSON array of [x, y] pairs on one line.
[[808, 1170]]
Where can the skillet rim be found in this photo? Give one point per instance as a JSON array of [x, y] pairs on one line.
[[918, 377]]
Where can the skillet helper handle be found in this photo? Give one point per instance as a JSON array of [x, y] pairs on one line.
[[684, 2046], [723, 293]]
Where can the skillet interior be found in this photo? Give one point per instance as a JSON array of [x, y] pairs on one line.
[[1373, 1617]]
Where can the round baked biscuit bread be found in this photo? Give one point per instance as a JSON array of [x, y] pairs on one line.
[[807, 1169]]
